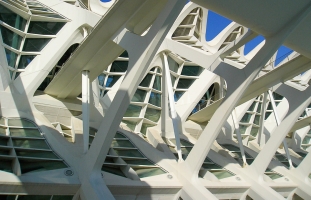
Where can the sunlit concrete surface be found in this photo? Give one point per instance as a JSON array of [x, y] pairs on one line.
[[128, 100]]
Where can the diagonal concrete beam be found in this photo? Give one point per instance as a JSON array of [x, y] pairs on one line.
[[141, 55]]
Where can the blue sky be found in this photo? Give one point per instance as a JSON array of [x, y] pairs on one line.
[[216, 23]]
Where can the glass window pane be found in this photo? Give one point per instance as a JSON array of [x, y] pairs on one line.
[[12, 19], [21, 123], [129, 153], [254, 131], [67, 54], [27, 143], [3, 141], [111, 80], [40, 165], [144, 127], [259, 108], [146, 81], [157, 83], [92, 131], [185, 83], [7, 197], [19, 132], [191, 70], [173, 65], [181, 32], [36, 154], [17, 74], [267, 115], [256, 120], [45, 28], [155, 99], [251, 108], [148, 172], [273, 175], [35, 44], [6, 165], [276, 96], [132, 111], [173, 79], [185, 150], [124, 54], [90, 139], [231, 147], [188, 20], [153, 114], [4, 152], [113, 170], [306, 140], [211, 166], [121, 143], [246, 118], [109, 160], [139, 96], [159, 70], [119, 66], [2, 131], [11, 58], [139, 162], [177, 95], [101, 79], [10, 38], [222, 174], [242, 129], [25, 60], [130, 124], [119, 135]]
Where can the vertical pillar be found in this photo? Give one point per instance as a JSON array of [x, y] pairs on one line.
[[85, 108], [261, 137], [176, 122], [238, 134], [278, 123], [221, 88], [164, 103]]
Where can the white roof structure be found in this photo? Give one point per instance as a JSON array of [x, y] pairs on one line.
[[127, 100]]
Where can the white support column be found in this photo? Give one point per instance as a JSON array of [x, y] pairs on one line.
[[221, 88], [142, 50], [176, 122], [85, 109], [261, 137], [298, 101], [238, 82], [277, 119], [238, 134], [164, 105]]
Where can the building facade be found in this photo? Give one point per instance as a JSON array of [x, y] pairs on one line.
[[128, 100]]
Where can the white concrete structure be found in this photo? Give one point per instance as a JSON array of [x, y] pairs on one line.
[[127, 100]]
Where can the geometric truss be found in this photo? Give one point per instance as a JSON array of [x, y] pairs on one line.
[[126, 99]]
